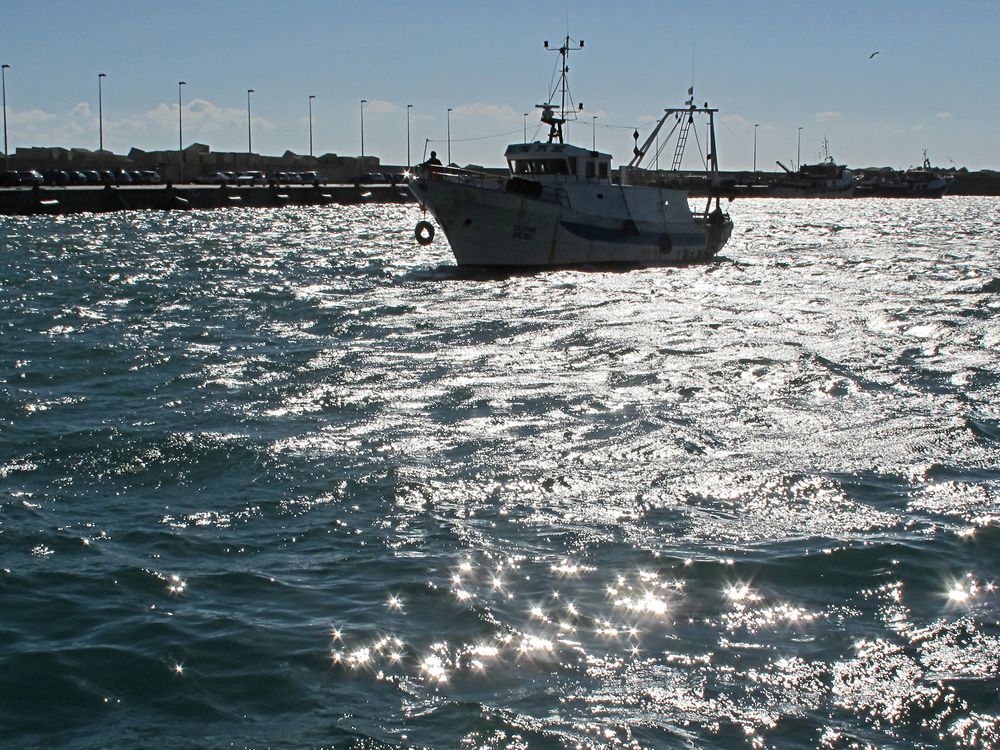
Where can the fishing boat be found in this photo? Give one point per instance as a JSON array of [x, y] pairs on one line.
[[827, 179], [886, 182], [561, 204]]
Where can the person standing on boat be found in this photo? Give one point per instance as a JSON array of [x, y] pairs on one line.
[[433, 161]]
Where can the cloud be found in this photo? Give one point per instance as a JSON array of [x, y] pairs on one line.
[[943, 115], [381, 106], [736, 122], [37, 127], [79, 126], [31, 118], [203, 116], [828, 116], [482, 109]]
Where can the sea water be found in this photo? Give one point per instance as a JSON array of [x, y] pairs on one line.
[[286, 479]]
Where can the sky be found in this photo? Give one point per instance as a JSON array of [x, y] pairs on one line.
[[781, 65]]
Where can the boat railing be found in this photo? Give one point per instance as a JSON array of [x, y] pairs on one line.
[[466, 177], [538, 190], [486, 181]]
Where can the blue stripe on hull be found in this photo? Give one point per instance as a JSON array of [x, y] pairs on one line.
[[610, 234], [623, 237]]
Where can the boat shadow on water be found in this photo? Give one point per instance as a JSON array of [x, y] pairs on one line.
[[445, 272]]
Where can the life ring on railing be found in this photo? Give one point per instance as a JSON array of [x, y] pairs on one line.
[[424, 232]]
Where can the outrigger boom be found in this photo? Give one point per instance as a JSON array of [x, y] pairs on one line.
[[684, 119]]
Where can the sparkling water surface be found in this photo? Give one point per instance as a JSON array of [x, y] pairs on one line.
[[286, 479]]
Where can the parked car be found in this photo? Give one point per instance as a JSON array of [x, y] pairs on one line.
[[368, 178], [312, 178], [123, 178], [151, 177], [108, 177], [56, 177], [217, 178], [31, 177], [251, 178], [9, 179]]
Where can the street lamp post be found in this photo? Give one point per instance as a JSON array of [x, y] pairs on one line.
[[449, 136], [593, 128], [363, 103], [755, 126], [311, 97], [180, 131], [798, 150], [249, 130], [408, 162], [6, 153], [100, 111]]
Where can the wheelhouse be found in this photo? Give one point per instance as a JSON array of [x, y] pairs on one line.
[[534, 160]]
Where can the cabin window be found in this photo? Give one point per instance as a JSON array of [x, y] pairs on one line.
[[572, 165], [591, 170], [540, 166], [604, 169]]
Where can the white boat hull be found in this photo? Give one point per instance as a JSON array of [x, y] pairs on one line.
[[577, 223]]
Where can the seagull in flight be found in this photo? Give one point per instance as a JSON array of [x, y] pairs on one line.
[[872, 55]]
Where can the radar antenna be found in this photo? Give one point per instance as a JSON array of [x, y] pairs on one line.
[[561, 89]]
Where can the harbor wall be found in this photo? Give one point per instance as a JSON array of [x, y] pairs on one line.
[[61, 200], [195, 162], [751, 184]]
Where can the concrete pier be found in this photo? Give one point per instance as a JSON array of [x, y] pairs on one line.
[[61, 200]]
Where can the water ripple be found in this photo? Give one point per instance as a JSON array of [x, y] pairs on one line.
[[284, 478]]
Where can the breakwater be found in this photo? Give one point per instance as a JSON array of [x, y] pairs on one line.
[[61, 200], [774, 185]]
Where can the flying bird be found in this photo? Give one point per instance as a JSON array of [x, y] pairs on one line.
[[872, 55]]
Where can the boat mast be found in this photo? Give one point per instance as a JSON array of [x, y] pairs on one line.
[[562, 88], [713, 158]]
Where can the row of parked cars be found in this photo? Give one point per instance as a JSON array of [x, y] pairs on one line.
[[66, 177], [297, 178], [381, 178], [259, 178]]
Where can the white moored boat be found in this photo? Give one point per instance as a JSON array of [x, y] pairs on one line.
[[559, 206]]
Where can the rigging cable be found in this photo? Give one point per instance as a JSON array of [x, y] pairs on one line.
[[478, 138], [697, 140]]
